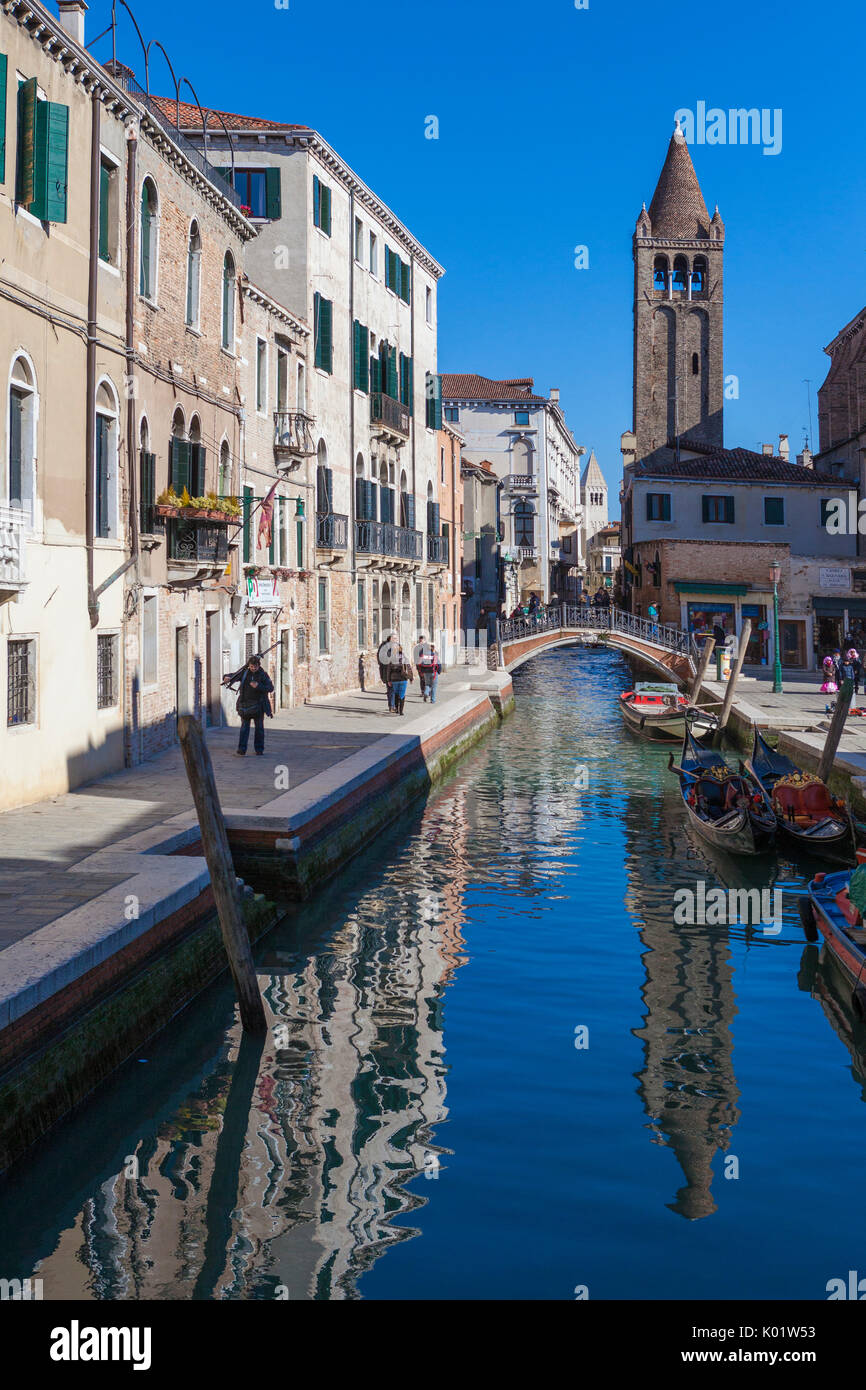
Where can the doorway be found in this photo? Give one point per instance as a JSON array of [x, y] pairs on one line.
[[213, 708], [286, 668]]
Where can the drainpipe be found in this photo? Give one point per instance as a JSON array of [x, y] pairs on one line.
[[131, 162], [354, 559], [90, 385]]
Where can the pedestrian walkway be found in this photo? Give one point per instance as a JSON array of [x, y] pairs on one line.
[[41, 844]]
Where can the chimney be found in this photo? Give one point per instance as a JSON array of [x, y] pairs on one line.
[[784, 448], [72, 14], [554, 394], [806, 458], [767, 449]]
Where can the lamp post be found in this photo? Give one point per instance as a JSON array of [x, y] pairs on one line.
[[775, 576]]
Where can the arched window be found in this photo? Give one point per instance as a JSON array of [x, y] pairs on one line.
[[195, 430], [149, 229], [524, 523], [228, 316], [405, 611], [324, 481], [696, 366], [660, 274], [20, 471], [178, 424], [105, 492], [521, 457], [193, 276], [699, 275], [387, 610], [225, 479], [681, 270]]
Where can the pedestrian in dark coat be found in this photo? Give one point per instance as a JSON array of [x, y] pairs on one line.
[[253, 703], [399, 675], [383, 656]]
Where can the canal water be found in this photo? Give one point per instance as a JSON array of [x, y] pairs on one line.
[[497, 1068]]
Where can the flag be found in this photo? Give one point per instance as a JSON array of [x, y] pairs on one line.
[[266, 520]]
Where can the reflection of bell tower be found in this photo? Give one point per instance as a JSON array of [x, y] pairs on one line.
[[678, 251]]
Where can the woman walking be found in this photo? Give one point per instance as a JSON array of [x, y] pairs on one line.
[[429, 671], [253, 703], [384, 656], [399, 676]]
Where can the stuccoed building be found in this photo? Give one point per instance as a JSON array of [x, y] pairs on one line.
[[603, 560], [525, 440], [483, 591], [334, 254]]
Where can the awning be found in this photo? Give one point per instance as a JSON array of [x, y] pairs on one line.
[[835, 607], [689, 586]]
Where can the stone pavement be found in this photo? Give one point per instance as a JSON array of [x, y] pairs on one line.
[[41, 843]]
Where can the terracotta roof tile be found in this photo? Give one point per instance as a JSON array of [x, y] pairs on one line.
[[469, 386], [734, 465], [678, 209], [191, 117]]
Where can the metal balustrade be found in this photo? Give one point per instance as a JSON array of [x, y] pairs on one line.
[[293, 433], [575, 617], [13, 522], [390, 414], [332, 531], [384, 538]]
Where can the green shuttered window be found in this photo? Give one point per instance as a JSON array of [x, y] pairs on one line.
[[323, 327], [43, 155], [360, 357], [433, 401], [4, 64], [272, 194], [321, 205]]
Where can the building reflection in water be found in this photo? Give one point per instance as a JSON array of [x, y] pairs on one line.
[[824, 979], [687, 1083]]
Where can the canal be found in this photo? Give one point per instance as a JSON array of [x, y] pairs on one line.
[[497, 1067]]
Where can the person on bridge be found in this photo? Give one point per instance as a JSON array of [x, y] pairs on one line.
[[253, 703]]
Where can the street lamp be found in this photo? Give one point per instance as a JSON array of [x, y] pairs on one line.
[[775, 576]]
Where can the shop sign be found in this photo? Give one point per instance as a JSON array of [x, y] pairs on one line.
[[834, 578]]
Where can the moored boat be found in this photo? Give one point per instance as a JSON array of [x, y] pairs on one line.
[[724, 806], [807, 813], [657, 711], [835, 905]]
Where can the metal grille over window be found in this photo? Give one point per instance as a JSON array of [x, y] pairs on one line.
[[106, 671], [21, 693]]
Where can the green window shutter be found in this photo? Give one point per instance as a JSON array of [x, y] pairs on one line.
[[3, 67], [326, 209], [25, 187], [729, 510], [317, 202], [705, 509], [326, 325], [666, 506], [52, 141], [437, 402], [104, 185], [410, 385], [197, 462], [273, 202], [405, 281], [179, 465], [356, 354], [375, 374], [272, 548], [248, 523], [391, 389], [364, 361]]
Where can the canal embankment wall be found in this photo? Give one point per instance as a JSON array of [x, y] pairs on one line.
[[82, 994]]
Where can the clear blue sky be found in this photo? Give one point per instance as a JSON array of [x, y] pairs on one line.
[[553, 126]]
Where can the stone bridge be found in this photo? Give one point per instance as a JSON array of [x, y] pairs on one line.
[[666, 651]]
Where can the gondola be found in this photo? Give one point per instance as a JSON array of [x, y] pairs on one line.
[[807, 813], [834, 905], [656, 710], [725, 807]]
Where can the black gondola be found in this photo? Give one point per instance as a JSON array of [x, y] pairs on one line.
[[724, 806], [807, 813]]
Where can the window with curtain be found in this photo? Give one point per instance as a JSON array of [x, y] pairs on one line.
[[228, 313], [193, 276], [148, 240]]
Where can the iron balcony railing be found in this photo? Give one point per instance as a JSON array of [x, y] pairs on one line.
[[580, 618], [332, 531], [391, 414], [437, 550], [384, 538], [293, 433], [207, 544], [13, 522]]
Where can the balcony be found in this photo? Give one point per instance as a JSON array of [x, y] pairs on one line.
[[332, 531], [383, 538], [293, 438], [12, 524], [526, 552], [390, 416], [437, 550], [521, 482], [194, 542]]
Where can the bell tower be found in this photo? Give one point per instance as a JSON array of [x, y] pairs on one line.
[[678, 252]]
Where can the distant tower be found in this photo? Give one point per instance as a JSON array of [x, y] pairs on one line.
[[678, 252], [593, 499]]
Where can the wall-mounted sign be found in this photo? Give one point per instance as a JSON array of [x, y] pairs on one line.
[[833, 578], [262, 593]]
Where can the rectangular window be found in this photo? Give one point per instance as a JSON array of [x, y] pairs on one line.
[[43, 141], [261, 375], [362, 613], [774, 511], [718, 509], [359, 241], [433, 401], [406, 381], [398, 275], [521, 417], [321, 205], [251, 186], [149, 640], [428, 304], [323, 334], [106, 670], [452, 414], [374, 254], [107, 220], [21, 682], [324, 634], [658, 506], [147, 490], [360, 357]]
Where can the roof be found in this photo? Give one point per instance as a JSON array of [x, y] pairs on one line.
[[678, 210], [592, 475], [190, 117], [469, 386], [734, 466], [484, 464]]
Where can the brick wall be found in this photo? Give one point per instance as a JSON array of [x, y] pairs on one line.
[[713, 562]]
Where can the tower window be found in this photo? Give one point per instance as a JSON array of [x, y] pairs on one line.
[[695, 364], [660, 274], [699, 271], [680, 273]]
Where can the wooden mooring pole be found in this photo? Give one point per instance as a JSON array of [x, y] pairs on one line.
[[199, 770], [698, 681], [836, 729], [732, 680]]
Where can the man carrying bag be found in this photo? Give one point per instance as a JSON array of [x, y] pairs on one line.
[[253, 703]]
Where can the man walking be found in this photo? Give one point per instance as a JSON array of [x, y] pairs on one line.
[[429, 671], [399, 676], [384, 656], [253, 703]]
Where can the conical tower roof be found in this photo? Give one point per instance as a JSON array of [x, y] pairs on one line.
[[678, 210], [592, 474]]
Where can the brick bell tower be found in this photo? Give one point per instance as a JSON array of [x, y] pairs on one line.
[[678, 252]]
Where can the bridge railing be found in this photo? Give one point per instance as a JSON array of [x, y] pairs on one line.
[[575, 617]]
